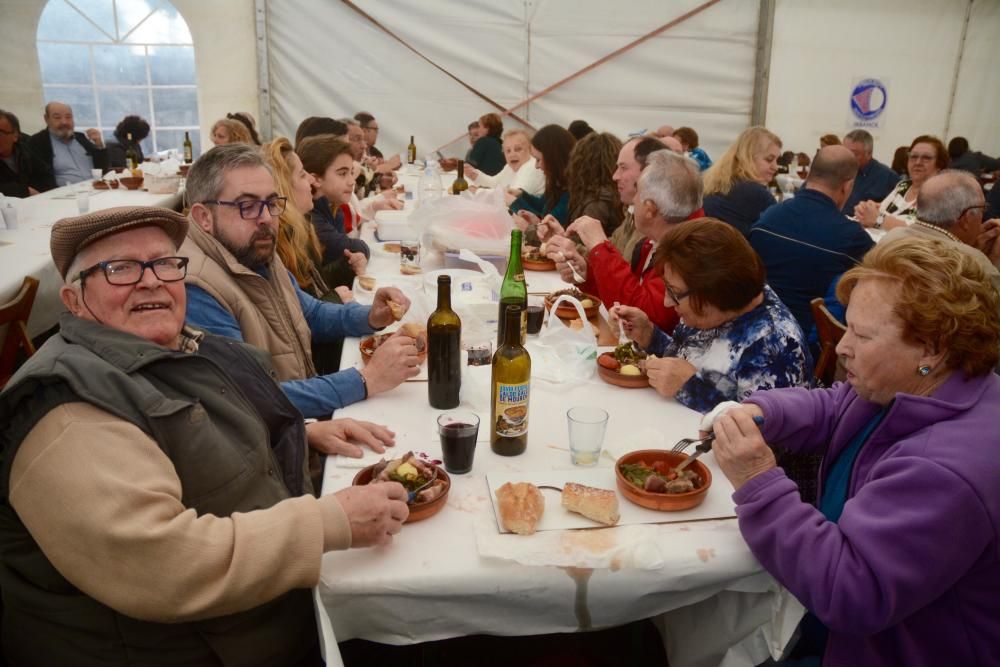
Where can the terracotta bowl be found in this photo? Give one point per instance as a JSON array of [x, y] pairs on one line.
[[664, 502], [619, 380], [543, 264], [367, 346], [568, 312], [105, 185], [418, 511], [132, 182]]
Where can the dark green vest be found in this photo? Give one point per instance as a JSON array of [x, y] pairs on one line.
[[237, 445]]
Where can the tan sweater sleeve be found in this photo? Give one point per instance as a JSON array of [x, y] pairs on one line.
[[104, 504]]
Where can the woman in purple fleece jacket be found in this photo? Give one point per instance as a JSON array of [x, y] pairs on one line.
[[900, 562]]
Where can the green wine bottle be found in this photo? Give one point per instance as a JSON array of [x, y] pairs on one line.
[[460, 185], [511, 384], [513, 291], [131, 154], [411, 152], [444, 350]]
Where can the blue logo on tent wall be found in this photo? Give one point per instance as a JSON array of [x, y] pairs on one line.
[[868, 99]]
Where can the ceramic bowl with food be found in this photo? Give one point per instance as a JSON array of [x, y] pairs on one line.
[[105, 185], [371, 343], [534, 260], [591, 304], [420, 509], [623, 367], [131, 182], [662, 493]]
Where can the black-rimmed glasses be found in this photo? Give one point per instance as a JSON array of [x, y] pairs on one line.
[[676, 298], [979, 207], [251, 209], [131, 271]]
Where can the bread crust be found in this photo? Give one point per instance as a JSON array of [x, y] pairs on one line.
[[521, 506], [600, 505]]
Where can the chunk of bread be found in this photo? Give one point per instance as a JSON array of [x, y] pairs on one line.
[[521, 506], [599, 505], [397, 310]]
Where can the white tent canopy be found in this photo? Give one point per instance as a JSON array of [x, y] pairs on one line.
[[791, 64]]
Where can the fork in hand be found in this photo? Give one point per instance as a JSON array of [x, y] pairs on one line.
[[704, 444]]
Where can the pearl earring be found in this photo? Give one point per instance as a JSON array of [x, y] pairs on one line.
[[924, 370]]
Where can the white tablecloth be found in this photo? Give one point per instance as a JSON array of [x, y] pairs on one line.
[[433, 582], [25, 251]]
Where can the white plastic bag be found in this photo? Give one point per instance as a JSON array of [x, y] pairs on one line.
[[562, 354], [475, 221]]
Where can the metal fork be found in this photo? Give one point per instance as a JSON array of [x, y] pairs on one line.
[[687, 442], [704, 444]]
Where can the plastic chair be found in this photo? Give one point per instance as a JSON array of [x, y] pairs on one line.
[[829, 330], [15, 313]]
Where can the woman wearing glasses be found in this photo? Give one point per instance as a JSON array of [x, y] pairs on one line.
[[926, 158], [735, 336]]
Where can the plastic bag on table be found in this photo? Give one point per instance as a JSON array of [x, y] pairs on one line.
[[562, 354], [475, 221]]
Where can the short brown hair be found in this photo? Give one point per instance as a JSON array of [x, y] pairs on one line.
[[318, 152], [941, 159], [687, 136], [829, 140], [492, 124], [716, 262], [945, 299]]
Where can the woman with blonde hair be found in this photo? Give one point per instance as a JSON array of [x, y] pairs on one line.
[[297, 245], [736, 185], [228, 131]]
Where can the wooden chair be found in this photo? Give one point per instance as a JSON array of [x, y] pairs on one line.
[[15, 314], [830, 330]]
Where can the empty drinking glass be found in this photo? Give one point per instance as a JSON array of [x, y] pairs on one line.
[[586, 434]]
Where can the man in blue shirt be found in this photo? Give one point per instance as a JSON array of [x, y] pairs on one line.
[[70, 155], [237, 287], [806, 242], [874, 180]]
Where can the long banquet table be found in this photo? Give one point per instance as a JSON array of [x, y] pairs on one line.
[[454, 574], [25, 251]]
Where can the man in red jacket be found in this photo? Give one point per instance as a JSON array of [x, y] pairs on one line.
[[669, 192]]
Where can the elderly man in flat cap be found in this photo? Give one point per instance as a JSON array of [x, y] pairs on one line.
[[155, 509]]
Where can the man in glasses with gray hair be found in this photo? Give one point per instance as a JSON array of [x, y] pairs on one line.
[[238, 287], [154, 507]]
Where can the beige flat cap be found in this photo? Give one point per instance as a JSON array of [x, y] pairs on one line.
[[71, 235]]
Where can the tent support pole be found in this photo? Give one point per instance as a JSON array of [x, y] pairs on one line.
[[762, 67], [263, 71], [958, 68]]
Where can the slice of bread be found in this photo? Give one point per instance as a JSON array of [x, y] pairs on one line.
[[599, 505], [521, 506]]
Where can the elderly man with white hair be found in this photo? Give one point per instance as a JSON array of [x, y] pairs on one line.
[[669, 192], [155, 508]]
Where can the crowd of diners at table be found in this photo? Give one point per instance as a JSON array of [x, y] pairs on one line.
[[161, 450]]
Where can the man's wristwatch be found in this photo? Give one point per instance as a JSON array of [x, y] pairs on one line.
[[879, 220]]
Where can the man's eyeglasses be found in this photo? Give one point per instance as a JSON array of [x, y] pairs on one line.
[[979, 207], [131, 271], [675, 297], [251, 209]]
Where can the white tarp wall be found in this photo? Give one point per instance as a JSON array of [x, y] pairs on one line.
[[821, 47], [328, 60]]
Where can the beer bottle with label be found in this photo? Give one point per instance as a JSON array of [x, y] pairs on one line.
[[511, 384], [444, 350], [188, 149], [460, 185], [513, 291], [131, 154], [411, 152]]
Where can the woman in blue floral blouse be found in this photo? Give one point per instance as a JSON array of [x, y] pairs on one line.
[[735, 335]]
